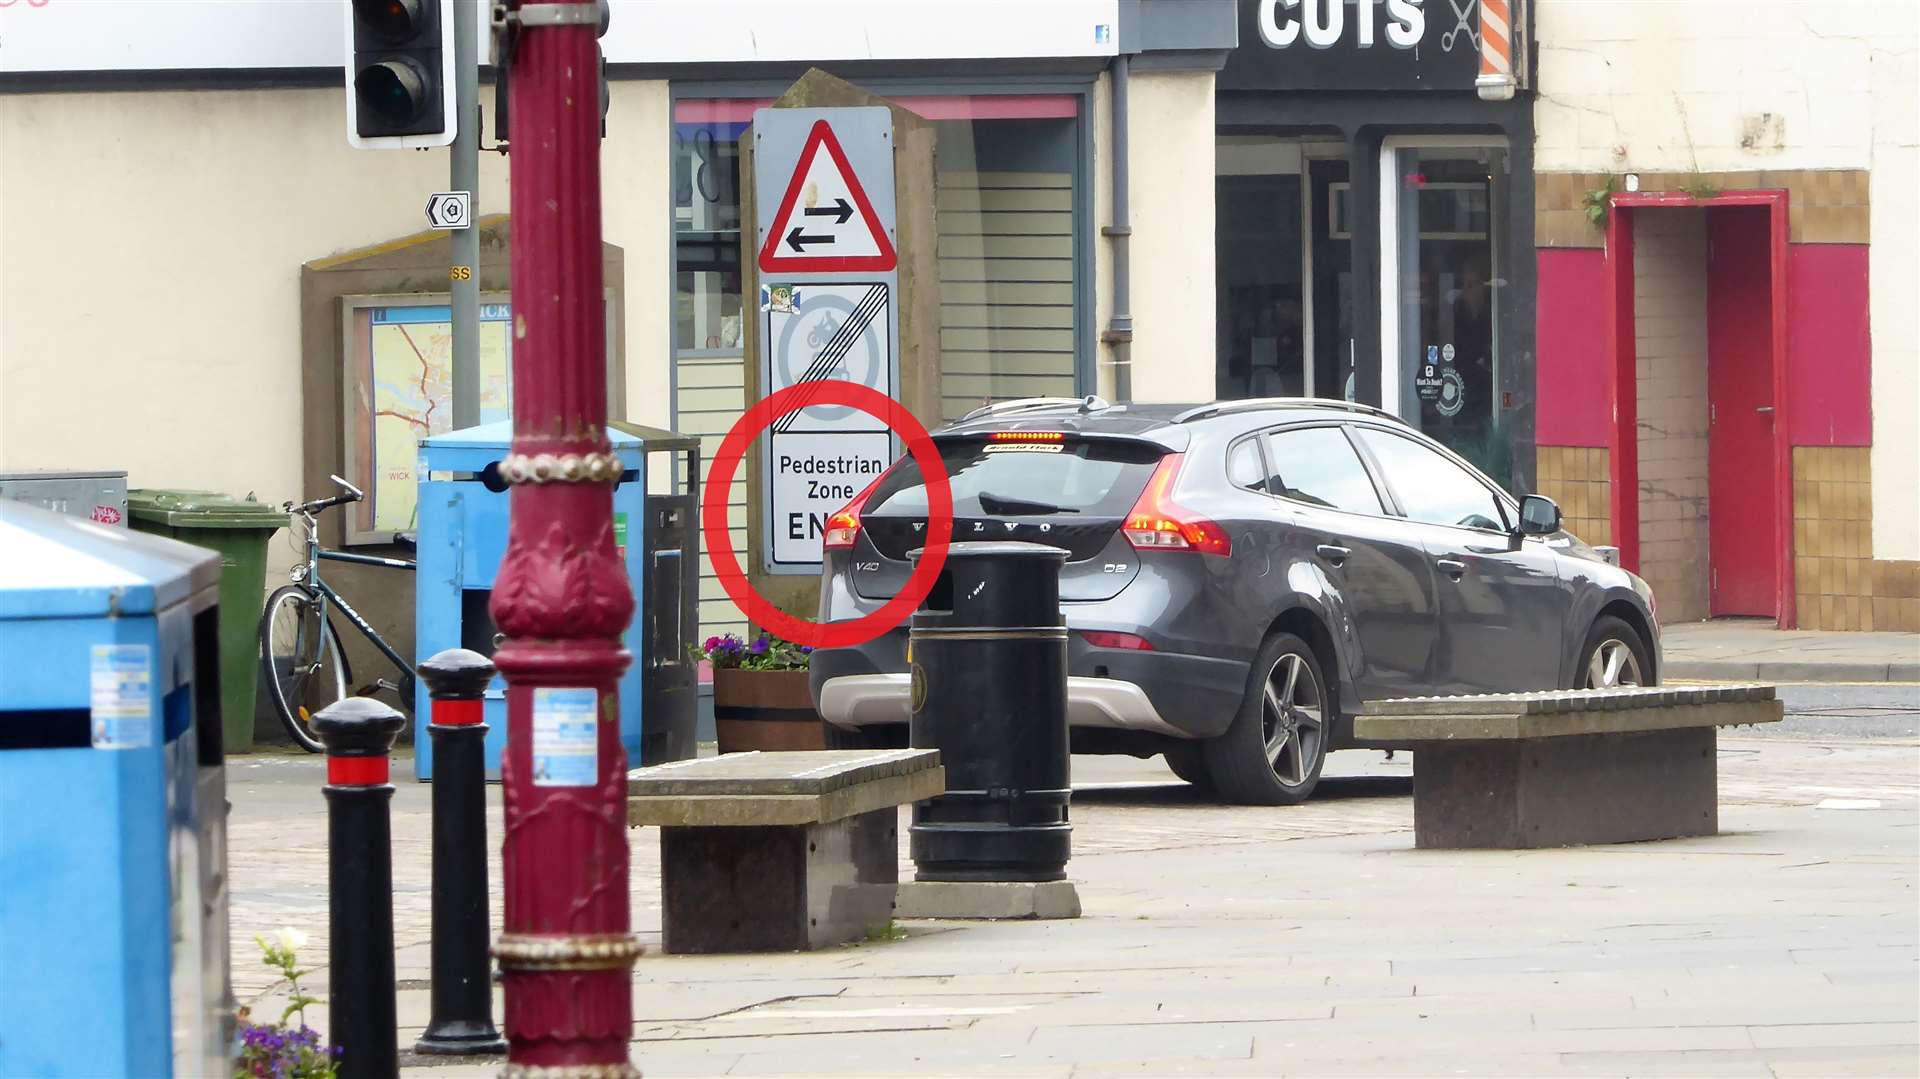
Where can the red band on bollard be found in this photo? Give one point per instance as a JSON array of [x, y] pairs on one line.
[[356, 771], [459, 713]]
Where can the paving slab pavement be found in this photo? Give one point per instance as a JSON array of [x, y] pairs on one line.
[[1308, 940], [1751, 649]]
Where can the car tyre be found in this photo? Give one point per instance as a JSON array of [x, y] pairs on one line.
[[1273, 752], [1614, 655], [1189, 763]]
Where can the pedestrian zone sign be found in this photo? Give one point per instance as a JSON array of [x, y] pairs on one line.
[[826, 223]]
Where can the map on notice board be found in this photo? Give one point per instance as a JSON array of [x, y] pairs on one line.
[[400, 359]]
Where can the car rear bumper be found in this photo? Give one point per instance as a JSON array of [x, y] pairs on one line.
[[1179, 696], [865, 700]]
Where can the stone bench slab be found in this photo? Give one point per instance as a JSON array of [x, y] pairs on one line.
[[1520, 716], [779, 851], [744, 790], [1512, 771]]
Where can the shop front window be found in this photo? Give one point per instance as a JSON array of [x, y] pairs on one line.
[[706, 231], [1442, 350], [1004, 204], [1006, 197]]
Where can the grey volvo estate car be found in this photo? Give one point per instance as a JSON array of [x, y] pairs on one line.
[[1241, 577]]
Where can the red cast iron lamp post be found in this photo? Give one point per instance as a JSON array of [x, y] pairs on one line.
[[562, 597]]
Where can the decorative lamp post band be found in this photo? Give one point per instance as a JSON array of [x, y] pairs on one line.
[[358, 771], [570, 1071], [561, 468], [586, 952]]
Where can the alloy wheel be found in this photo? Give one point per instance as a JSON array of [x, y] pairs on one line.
[[1292, 720], [1612, 664]]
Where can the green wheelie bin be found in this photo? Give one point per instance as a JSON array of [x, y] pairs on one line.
[[238, 530]]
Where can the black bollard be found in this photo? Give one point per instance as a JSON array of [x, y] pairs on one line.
[[989, 677], [462, 1020], [359, 733]]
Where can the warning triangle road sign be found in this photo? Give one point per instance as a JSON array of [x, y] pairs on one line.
[[825, 223]]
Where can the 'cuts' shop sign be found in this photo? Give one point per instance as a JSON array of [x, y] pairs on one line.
[[1355, 45]]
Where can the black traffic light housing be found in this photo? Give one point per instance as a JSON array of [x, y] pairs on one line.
[[400, 79], [505, 29]]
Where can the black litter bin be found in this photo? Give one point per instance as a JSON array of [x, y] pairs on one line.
[[988, 655]]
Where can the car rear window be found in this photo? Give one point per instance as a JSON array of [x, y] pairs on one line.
[[1096, 478]]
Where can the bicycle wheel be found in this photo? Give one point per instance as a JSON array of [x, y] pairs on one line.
[[302, 661]]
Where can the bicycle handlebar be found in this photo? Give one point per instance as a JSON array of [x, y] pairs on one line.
[[354, 494]]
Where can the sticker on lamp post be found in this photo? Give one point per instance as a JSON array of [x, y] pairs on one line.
[[566, 737], [121, 692]]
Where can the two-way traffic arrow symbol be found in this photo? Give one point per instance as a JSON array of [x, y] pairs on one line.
[[799, 240], [841, 211]]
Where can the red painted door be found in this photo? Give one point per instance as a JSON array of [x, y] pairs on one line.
[[1741, 492]]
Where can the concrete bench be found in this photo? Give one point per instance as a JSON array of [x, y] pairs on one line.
[[763, 852], [1556, 769]]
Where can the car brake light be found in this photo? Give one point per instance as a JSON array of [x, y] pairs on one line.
[[1103, 639], [1027, 436], [1158, 523], [843, 527]]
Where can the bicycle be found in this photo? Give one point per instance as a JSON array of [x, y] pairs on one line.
[[301, 657]]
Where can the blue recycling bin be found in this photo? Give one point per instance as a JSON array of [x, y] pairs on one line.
[[463, 535], [113, 906]]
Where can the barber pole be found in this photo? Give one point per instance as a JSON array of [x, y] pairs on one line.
[[1496, 81]]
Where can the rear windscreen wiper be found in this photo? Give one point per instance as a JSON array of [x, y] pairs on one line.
[[993, 503]]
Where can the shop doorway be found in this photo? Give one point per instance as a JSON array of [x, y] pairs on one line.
[[1702, 494], [1741, 416], [1283, 276], [1441, 281]]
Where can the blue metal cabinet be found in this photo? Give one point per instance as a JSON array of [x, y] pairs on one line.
[[113, 911], [463, 536]]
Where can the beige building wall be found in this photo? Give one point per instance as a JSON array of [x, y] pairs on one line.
[[1773, 86], [1171, 202], [150, 254], [1172, 206]]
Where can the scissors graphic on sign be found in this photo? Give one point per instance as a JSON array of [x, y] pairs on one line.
[[1463, 21]]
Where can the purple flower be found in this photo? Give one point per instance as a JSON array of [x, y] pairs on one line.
[[759, 646], [806, 650]]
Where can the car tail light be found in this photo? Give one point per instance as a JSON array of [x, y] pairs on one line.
[[1103, 639], [1157, 523], [843, 527]]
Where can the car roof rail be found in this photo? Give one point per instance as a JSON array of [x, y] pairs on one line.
[[1023, 404], [1255, 404]]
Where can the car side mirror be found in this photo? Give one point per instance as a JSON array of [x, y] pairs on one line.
[[1539, 516]]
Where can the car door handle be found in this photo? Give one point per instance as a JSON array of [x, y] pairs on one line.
[[1336, 555], [1455, 568]]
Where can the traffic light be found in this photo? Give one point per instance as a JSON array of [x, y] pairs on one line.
[[502, 58], [400, 79]]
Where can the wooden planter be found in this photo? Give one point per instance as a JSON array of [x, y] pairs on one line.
[[769, 710]]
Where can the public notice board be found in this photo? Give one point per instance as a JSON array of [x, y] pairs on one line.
[[829, 276]]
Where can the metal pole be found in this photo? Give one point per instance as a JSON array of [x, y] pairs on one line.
[[464, 173], [358, 734], [561, 596], [1119, 331], [462, 1016]]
